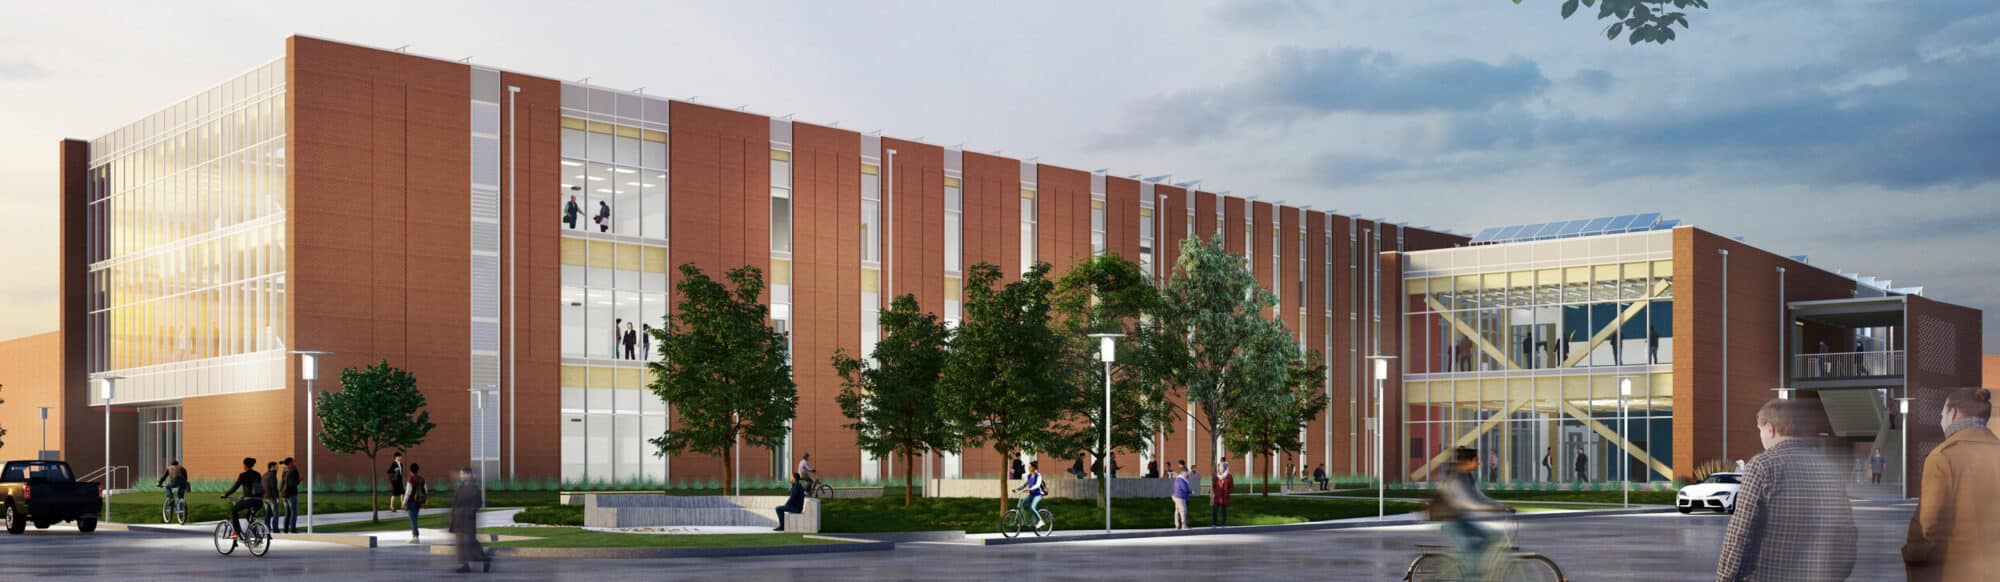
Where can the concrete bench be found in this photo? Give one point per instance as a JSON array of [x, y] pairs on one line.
[[661, 510]]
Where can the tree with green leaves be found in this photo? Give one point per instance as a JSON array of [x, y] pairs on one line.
[[1639, 20], [1205, 337], [1003, 383], [892, 396], [378, 408], [1285, 394], [1108, 294], [722, 367]]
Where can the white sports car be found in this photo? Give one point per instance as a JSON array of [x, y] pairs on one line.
[[1717, 492]]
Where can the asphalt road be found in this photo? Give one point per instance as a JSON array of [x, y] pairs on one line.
[[1640, 547]]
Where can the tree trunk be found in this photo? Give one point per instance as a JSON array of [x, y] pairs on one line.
[[908, 477], [1268, 468], [375, 512], [1006, 464]]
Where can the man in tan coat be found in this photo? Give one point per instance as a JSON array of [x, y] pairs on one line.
[[1955, 534]]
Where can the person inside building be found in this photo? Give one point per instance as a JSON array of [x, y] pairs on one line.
[[570, 212]]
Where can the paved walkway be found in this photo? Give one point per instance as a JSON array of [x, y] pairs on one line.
[[1654, 546]]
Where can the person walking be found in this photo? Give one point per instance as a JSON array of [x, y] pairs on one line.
[[645, 340], [603, 217], [1218, 495], [1581, 467], [396, 482], [795, 501], [1492, 466], [1955, 534], [1875, 464], [288, 493], [465, 504], [1181, 493], [413, 499], [570, 212], [271, 493], [1548, 467], [1792, 520]]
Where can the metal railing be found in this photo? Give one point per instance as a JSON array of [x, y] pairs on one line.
[[110, 476], [1847, 365]]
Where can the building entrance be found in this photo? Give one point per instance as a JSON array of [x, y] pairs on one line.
[[159, 440]]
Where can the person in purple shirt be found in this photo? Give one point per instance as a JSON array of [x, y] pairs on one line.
[[1182, 490]]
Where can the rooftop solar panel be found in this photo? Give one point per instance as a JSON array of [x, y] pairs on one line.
[[1486, 234], [1572, 227], [1508, 233], [1596, 226], [1646, 221], [1620, 223]]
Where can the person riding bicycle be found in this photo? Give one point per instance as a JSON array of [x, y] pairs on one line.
[[1458, 504], [175, 480], [806, 472], [1036, 488], [252, 485]]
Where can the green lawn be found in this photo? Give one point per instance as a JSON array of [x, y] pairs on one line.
[[572, 537], [1612, 496], [144, 506], [975, 515]]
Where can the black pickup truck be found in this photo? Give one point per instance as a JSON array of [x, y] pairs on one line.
[[45, 493]]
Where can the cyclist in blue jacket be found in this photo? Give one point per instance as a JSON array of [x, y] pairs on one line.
[[1036, 488]]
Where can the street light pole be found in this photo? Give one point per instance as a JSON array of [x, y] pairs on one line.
[[1107, 351], [1625, 436], [309, 371], [1903, 407], [45, 431], [107, 385], [1381, 479]]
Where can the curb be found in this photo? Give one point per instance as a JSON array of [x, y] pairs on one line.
[[350, 540], [1394, 520], [909, 536], [853, 546]]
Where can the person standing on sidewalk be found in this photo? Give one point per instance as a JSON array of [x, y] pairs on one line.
[[396, 482], [288, 493], [1955, 534], [416, 493], [1181, 493], [465, 504], [271, 493], [1218, 495]]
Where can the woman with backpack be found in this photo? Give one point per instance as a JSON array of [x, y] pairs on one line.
[[414, 499]]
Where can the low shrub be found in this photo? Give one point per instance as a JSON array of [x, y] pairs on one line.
[[571, 515]]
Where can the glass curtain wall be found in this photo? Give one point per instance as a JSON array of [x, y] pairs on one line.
[[1517, 351], [614, 282], [185, 237]]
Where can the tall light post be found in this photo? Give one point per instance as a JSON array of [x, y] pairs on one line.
[[1381, 479], [309, 371], [1903, 409], [1107, 351], [1625, 438], [45, 433], [107, 385]]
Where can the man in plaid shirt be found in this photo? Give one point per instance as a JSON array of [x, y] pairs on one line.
[[1792, 520]]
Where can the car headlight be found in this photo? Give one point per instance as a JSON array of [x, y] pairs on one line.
[[1721, 494]]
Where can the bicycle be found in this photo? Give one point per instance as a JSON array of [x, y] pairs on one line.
[[818, 489], [174, 508], [257, 539], [1504, 557], [1011, 522]]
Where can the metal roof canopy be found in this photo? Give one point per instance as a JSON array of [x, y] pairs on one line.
[[1851, 313]]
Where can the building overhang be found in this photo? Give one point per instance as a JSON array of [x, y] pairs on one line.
[[1854, 313]]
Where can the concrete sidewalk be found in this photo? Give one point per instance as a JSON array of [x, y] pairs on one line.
[[1349, 523]]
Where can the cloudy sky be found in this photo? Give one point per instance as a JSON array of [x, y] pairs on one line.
[[1863, 133]]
